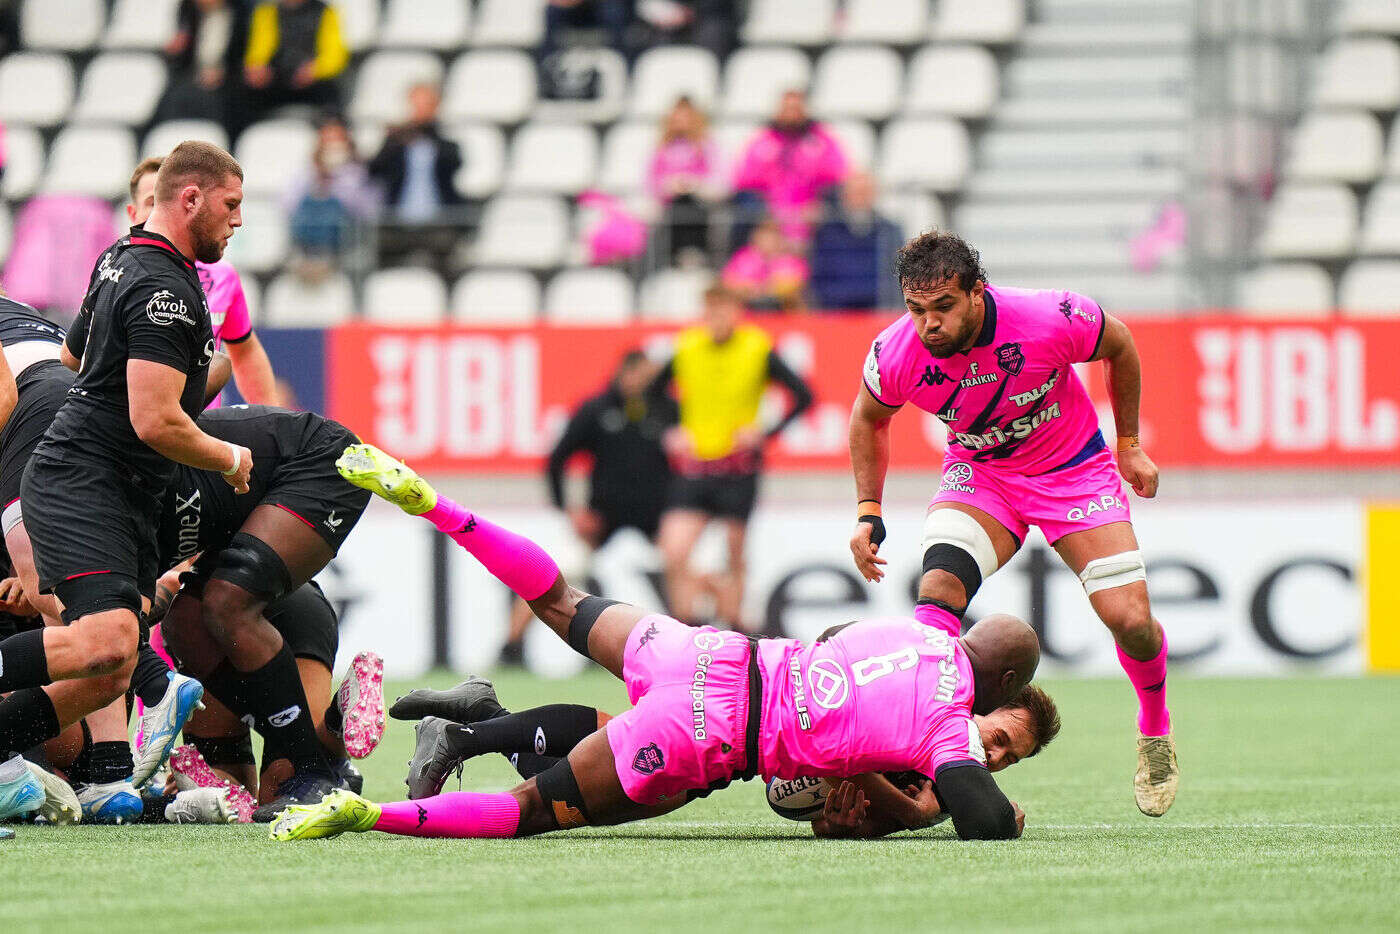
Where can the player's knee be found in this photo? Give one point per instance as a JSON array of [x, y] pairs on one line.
[[111, 686], [958, 555], [1129, 615], [109, 643], [943, 587], [228, 609]]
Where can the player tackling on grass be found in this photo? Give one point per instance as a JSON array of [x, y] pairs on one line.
[[712, 706], [1024, 448]]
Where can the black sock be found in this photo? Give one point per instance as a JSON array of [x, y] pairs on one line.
[[150, 677], [228, 686], [109, 762], [153, 808], [27, 718], [278, 705], [78, 771], [23, 663], [335, 717], [550, 730], [529, 765]]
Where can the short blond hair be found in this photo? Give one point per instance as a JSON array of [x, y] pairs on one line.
[[193, 161], [147, 167]]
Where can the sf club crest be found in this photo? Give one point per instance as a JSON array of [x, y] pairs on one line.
[[648, 759], [1010, 358]]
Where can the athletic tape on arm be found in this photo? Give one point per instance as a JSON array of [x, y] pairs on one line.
[[1113, 571]]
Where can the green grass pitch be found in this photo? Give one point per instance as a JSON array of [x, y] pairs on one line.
[[1286, 821]]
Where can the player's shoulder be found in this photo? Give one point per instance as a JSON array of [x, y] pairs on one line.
[[1042, 306], [892, 343]]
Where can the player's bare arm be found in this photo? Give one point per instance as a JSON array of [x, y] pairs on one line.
[[252, 371], [9, 392], [870, 461], [1123, 377], [154, 407], [220, 370]]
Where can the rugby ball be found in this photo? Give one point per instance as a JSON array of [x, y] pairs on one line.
[[800, 799]]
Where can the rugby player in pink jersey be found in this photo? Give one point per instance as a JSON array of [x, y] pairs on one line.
[[1024, 448], [712, 706]]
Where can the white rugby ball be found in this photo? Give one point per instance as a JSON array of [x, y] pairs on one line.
[[800, 799]]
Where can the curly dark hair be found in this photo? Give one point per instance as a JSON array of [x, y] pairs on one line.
[[1042, 712], [935, 256]]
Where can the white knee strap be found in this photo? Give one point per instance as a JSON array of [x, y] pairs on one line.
[[10, 518], [957, 528], [1114, 571]]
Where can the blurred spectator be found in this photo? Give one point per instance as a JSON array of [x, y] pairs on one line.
[[684, 178], [55, 234], [333, 197], [9, 26], [204, 53], [711, 24], [768, 273], [295, 52], [853, 253], [611, 233], [786, 170], [562, 18], [415, 168]]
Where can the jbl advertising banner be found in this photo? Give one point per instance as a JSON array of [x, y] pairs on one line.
[[1217, 392]]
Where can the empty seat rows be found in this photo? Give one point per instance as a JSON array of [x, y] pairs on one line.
[[1365, 287], [1325, 221], [897, 22]]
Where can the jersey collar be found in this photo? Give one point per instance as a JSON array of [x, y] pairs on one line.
[[989, 320], [140, 236]]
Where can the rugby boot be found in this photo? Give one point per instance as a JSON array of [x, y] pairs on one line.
[[191, 771], [349, 776], [20, 792], [201, 806], [371, 469], [360, 698], [339, 812], [110, 803], [1155, 783], [161, 725], [305, 787], [433, 758], [472, 701], [61, 805]]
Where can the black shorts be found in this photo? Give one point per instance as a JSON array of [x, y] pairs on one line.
[[11, 624], [309, 488], [724, 496], [94, 535], [43, 387], [308, 623]]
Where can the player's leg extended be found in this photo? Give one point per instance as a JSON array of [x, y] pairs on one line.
[[1111, 568], [962, 545]]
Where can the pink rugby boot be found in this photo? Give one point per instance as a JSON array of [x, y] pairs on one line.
[[360, 698], [191, 771]]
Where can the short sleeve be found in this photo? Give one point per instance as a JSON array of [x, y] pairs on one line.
[[957, 741], [162, 324], [1084, 324], [879, 376], [76, 340]]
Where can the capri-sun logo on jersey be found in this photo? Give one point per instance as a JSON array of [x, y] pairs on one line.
[[1017, 430], [164, 308]]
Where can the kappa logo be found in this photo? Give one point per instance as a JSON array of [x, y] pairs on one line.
[[1071, 310], [422, 815], [828, 684], [285, 717], [164, 308], [471, 525], [1010, 358], [651, 633], [933, 376], [1065, 306], [332, 522], [648, 759], [539, 741]]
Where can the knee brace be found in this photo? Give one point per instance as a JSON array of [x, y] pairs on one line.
[[1113, 571], [236, 750], [955, 542], [585, 615], [252, 564], [561, 794]]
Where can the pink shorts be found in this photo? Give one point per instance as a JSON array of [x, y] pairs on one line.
[[1088, 495], [689, 688]]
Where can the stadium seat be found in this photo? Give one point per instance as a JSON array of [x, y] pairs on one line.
[[755, 77], [496, 85], [589, 296], [166, 136], [140, 24], [1343, 146], [1380, 226], [958, 80], [730, 138], [35, 88], [893, 22], [1310, 222], [606, 105], [668, 72], [263, 243], [801, 22], [6, 231], [994, 22], [516, 23], [559, 158], [931, 152], [1361, 72], [1369, 16], [1285, 289], [252, 294], [90, 160], [1370, 287], [1055, 215], [862, 81], [913, 211], [496, 297], [382, 83], [674, 294], [120, 87], [425, 24], [24, 162], [627, 151], [483, 158], [359, 23], [522, 230], [406, 295], [1107, 147], [292, 302], [1075, 181], [857, 140], [272, 153], [67, 25]]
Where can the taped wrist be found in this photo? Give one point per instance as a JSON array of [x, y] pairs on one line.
[[877, 528], [561, 794]]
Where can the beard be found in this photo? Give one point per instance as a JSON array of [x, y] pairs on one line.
[[204, 237]]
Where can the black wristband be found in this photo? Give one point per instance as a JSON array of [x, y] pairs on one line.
[[877, 528]]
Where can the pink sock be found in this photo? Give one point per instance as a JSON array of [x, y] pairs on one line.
[[939, 618], [1149, 679], [454, 814], [516, 561], [158, 643]]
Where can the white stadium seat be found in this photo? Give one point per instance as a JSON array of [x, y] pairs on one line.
[[857, 81], [382, 83], [166, 136], [912, 211], [252, 294], [516, 23], [994, 22], [1370, 287], [1340, 146], [1359, 73], [802, 22], [1285, 289], [120, 87], [932, 152], [522, 230], [292, 302], [674, 294], [894, 22], [668, 72], [68, 25], [24, 162], [359, 23], [755, 77], [958, 80], [483, 158], [35, 88], [90, 160], [263, 243], [1310, 221], [496, 296], [1380, 227], [495, 84], [140, 24], [857, 141], [1363, 16], [407, 295], [425, 24], [731, 138], [560, 158], [272, 152], [627, 152], [589, 296]]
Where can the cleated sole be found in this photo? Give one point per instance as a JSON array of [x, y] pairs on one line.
[[364, 720], [187, 764]]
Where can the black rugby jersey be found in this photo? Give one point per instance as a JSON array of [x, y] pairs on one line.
[[20, 323]]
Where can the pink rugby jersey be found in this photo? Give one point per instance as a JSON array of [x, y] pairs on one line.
[[228, 306], [1012, 400], [882, 694]]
